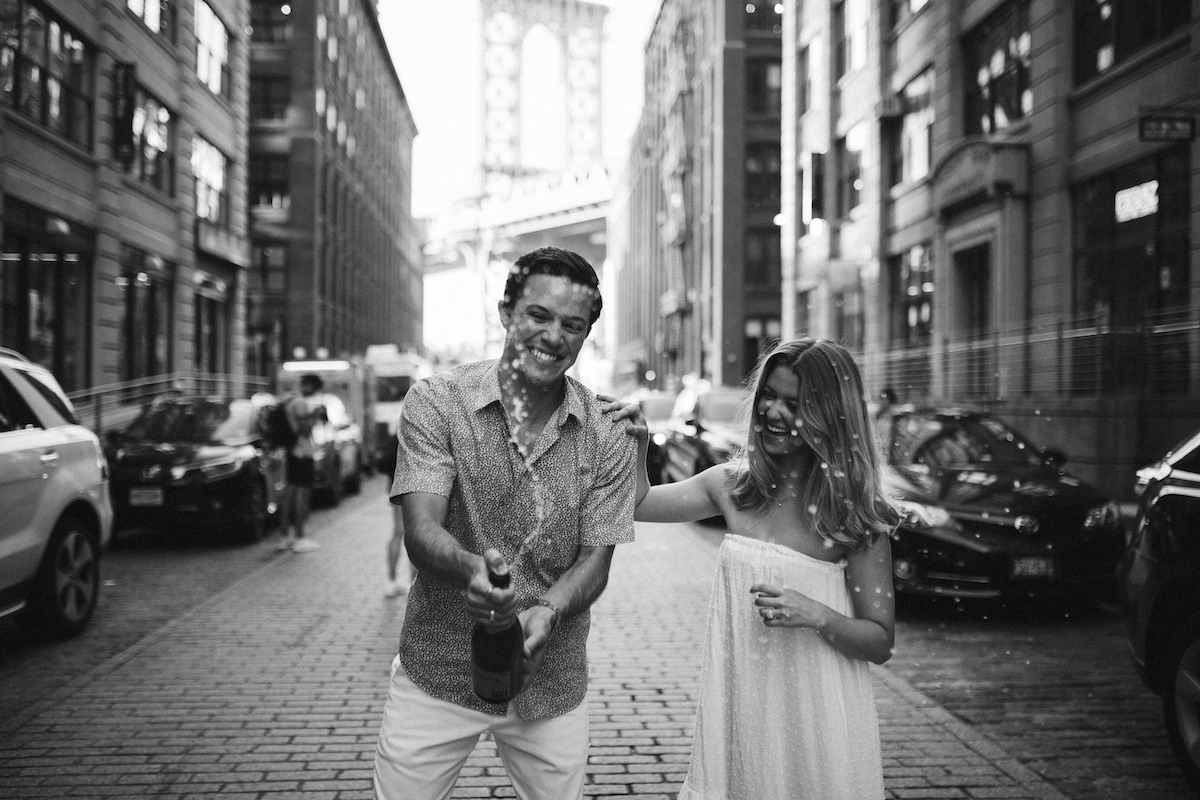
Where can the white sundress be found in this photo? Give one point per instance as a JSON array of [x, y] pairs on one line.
[[781, 715]]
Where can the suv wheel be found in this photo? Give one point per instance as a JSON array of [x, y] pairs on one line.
[[67, 585], [1181, 700]]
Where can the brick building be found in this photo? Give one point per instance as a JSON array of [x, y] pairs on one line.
[[122, 173], [335, 251]]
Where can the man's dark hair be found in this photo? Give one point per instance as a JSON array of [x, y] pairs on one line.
[[312, 380], [559, 263]]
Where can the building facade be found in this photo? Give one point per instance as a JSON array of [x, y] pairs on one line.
[[995, 203], [123, 163], [693, 234], [335, 252]]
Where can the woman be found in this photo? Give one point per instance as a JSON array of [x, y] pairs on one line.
[[802, 599]]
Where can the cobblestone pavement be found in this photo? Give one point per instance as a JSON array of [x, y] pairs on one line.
[[272, 688]]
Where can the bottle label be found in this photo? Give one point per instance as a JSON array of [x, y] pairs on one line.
[[494, 687]]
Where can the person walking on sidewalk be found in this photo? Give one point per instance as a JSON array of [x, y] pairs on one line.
[[802, 599], [506, 460], [300, 472]]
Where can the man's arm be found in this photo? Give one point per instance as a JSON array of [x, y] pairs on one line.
[[573, 592], [435, 552]]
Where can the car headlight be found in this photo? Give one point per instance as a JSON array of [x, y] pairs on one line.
[[659, 439], [1105, 516], [920, 515]]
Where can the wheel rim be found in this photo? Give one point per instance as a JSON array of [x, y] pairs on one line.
[[1187, 701], [76, 576]]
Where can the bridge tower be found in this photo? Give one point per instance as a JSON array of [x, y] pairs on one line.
[[575, 29]]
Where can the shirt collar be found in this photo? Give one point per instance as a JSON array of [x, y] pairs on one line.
[[488, 392]]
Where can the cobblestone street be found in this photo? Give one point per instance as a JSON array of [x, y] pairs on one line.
[[273, 687]]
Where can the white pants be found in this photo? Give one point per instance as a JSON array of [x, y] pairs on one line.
[[424, 742]]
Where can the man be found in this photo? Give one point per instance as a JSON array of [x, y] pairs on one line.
[[514, 461], [302, 414]]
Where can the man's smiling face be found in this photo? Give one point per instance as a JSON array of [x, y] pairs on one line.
[[546, 328]]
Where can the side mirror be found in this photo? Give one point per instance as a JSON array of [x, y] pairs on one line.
[[1053, 457]]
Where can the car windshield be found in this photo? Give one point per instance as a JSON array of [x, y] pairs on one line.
[[721, 407], [949, 442], [391, 388], [657, 408], [194, 421]]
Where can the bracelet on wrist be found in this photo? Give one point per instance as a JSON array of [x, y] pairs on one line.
[[555, 614]]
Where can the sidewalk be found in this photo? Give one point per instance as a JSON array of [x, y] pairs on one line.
[[273, 689]]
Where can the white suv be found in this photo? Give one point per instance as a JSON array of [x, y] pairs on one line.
[[55, 512]]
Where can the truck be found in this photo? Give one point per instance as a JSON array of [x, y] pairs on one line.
[[394, 372]]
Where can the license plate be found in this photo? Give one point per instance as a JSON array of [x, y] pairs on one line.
[[146, 496], [1032, 567]]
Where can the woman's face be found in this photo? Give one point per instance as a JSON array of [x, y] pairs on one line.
[[775, 413]]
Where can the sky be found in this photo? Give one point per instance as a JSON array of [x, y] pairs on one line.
[[435, 45]]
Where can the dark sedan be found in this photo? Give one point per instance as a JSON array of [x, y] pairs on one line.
[[1160, 580], [705, 429], [990, 515], [656, 407], [198, 461]]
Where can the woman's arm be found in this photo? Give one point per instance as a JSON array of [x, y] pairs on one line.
[[693, 499], [870, 634]]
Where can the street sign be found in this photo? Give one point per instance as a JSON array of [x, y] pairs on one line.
[[1166, 128]]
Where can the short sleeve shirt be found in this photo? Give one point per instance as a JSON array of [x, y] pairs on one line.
[[454, 441], [298, 409]]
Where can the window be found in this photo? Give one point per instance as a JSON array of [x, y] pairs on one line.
[[913, 158], [850, 173], [848, 318], [158, 15], [46, 71], [153, 159], [851, 20], [764, 81], [812, 189], [911, 284], [763, 256], [997, 59], [211, 170], [270, 96], [147, 286], [212, 50], [762, 175], [761, 334], [270, 268], [764, 15], [270, 183], [803, 83], [903, 9], [1109, 31], [270, 21], [210, 333]]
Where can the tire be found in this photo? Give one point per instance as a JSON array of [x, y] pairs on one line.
[[1181, 700], [252, 522], [66, 589]]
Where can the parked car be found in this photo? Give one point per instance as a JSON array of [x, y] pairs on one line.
[[198, 461], [988, 514], [1160, 581], [656, 407], [704, 429], [55, 513]]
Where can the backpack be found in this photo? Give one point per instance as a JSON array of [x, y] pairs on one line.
[[277, 428]]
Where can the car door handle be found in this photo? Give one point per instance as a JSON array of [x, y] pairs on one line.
[[48, 458]]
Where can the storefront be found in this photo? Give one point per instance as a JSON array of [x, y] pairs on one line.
[[46, 289]]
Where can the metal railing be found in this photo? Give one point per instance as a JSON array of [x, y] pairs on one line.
[[114, 405], [1059, 358]]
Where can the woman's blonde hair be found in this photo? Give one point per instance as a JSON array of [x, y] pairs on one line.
[[843, 488]]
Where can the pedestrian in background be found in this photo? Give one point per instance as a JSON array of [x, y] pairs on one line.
[[303, 411], [511, 461], [802, 599], [399, 568]]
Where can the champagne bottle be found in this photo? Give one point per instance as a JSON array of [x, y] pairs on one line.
[[496, 657]]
